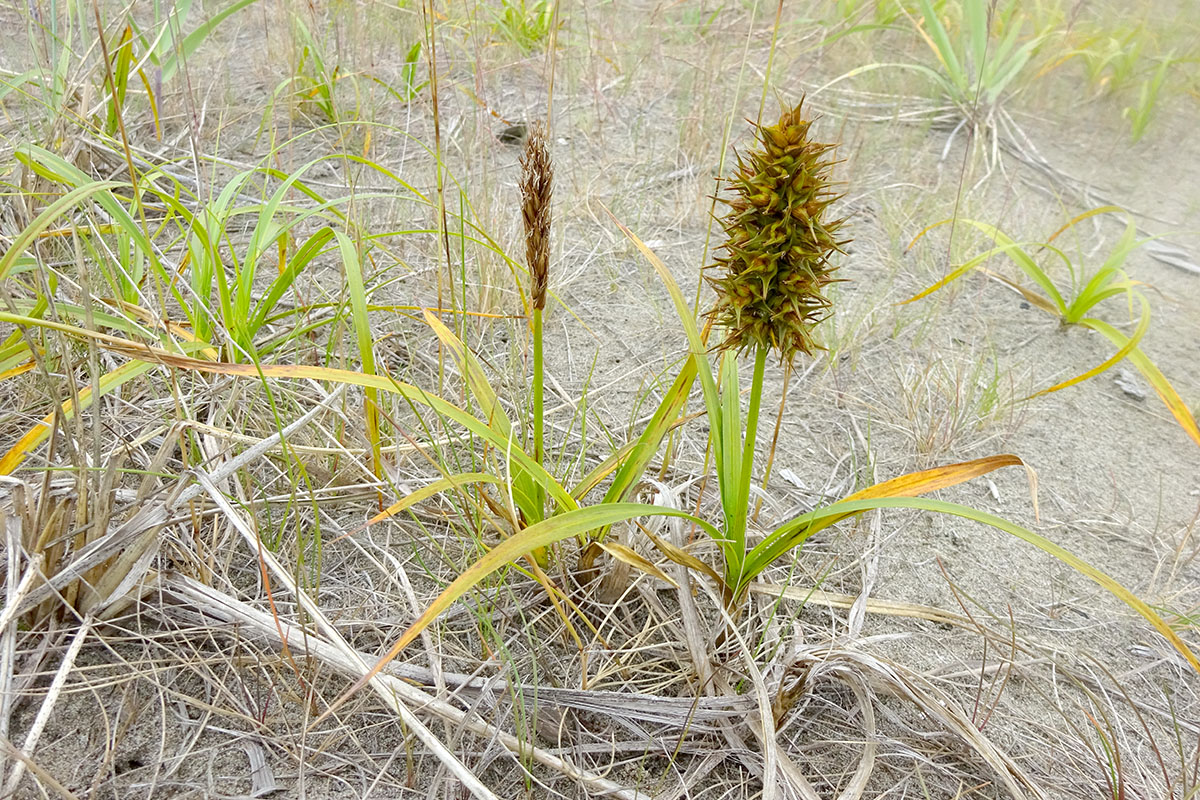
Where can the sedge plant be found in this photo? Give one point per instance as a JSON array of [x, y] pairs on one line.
[[777, 260], [529, 499], [979, 63], [1075, 304]]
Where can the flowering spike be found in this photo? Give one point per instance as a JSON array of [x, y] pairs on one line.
[[776, 257], [536, 182]]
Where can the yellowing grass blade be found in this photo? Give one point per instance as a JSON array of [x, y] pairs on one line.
[[1033, 298], [1080, 218], [38, 433], [793, 533], [1125, 349], [477, 382], [628, 555], [1106, 581], [930, 480], [424, 493], [19, 369], [1166, 392], [543, 534], [683, 557]]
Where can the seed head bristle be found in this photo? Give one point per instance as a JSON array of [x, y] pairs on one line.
[[776, 261], [536, 184]]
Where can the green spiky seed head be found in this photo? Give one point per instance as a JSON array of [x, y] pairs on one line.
[[779, 243]]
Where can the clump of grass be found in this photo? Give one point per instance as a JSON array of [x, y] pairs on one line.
[[1072, 305], [315, 83], [524, 24], [1142, 112], [1110, 58]]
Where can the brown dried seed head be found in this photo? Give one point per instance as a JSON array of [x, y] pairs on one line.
[[536, 182]]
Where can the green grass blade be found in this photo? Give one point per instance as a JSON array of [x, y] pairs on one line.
[[727, 449], [525, 494], [975, 20], [633, 464], [313, 247], [194, 39], [1000, 81], [366, 344], [43, 220], [712, 400], [939, 42]]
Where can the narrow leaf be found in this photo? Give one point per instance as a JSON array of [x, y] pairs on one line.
[[543, 534], [1122, 352], [1166, 392], [424, 493], [627, 555]]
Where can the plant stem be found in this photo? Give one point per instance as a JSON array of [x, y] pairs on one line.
[[741, 512], [760, 364], [538, 451]]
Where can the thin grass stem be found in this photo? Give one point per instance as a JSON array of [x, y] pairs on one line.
[[539, 454]]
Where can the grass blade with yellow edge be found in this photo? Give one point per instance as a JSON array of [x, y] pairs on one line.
[[524, 488], [696, 345], [1125, 349], [1081, 217], [665, 417], [477, 382], [846, 508], [1003, 245], [792, 534], [543, 534], [424, 493], [38, 433], [1166, 392]]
